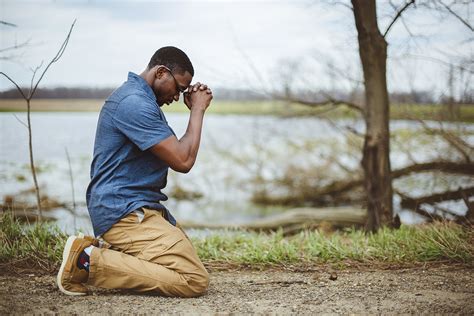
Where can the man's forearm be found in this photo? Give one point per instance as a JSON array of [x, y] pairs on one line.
[[192, 138]]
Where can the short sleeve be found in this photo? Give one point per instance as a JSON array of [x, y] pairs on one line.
[[140, 120]]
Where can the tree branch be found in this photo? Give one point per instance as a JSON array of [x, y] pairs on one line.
[[451, 139], [55, 59], [445, 166], [16, 46], [328, 101], [21, 122], [16, 85], [34, 74], [457, 16], [437, 61], [8, 24], [399, 14]]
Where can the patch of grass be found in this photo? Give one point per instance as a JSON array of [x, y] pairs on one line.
[[405, 111], [42, 245], [30, 245], [409, 244]]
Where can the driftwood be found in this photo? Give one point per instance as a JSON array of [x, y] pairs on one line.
[[294, 220]]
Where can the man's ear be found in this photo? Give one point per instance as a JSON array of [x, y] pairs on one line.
[[160, 71]]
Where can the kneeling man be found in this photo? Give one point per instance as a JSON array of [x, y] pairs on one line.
[[134, 147]]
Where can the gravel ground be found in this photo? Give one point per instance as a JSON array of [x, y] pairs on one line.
[[441, 289]]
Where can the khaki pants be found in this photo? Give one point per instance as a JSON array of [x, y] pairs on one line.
[[148, 255]]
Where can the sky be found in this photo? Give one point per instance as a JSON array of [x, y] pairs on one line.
[[232, 44]]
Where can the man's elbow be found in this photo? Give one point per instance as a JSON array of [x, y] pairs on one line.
[[183, 166]]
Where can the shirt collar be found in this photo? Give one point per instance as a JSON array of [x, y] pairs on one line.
[[142, 83]]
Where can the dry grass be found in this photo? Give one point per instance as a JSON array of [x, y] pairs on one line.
[[397, 111]]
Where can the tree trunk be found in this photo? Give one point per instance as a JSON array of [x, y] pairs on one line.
[[375, 159], [32, 160]]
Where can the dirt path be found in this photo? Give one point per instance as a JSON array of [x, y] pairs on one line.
[[446, 289]]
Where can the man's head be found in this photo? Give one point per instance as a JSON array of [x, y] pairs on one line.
[[169, 73]]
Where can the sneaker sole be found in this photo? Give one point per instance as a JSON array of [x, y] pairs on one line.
[[67, 250]]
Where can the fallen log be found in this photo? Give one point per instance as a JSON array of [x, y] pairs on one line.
[[338, 192], [294, 220], [413, 203]]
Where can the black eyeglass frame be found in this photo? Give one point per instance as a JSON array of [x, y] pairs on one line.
[[175, 81]]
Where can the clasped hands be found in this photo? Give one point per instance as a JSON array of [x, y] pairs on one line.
[[198, 95]]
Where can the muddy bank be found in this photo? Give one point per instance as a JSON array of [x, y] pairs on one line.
[[442, 289]]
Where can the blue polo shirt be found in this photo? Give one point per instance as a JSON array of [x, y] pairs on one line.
[[125, 175]]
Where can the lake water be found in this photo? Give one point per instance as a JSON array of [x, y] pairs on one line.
[[235, 151]]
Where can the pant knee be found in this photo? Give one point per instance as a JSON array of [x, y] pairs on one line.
[[198, 284]]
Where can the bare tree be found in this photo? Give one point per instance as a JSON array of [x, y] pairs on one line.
[[28, 96], [375, 110], [375, 154], [373, 55]]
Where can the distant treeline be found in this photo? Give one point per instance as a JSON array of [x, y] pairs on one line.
[[102, 93], [418, 97], [61, 93]]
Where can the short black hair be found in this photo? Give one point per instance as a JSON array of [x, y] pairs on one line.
[[173, 58]]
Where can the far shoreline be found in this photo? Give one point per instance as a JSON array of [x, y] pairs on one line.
[[272, 108]]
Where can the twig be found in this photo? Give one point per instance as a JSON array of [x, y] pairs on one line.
[[451, 139], [457, 16], [55, 59], [34, 74], [16, 46], [71, 178], [436, 60], [280, 282], [16, 85], [399, 13], [328, 101], [18, 119], [8, 24]]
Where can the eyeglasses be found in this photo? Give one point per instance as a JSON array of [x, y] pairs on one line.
[[178, 87]]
